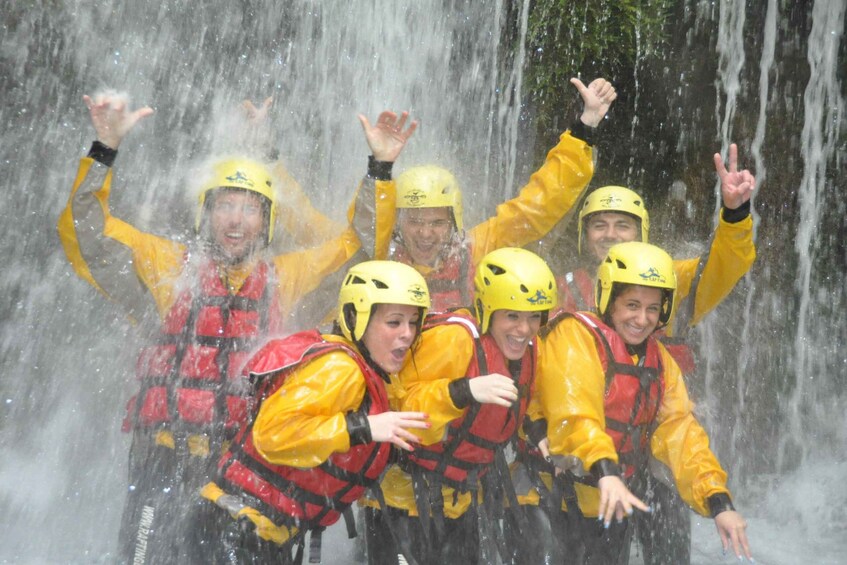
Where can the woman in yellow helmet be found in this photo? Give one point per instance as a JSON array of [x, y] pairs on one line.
[[473, 374], [615, 405], [320, 435], [215, 299]]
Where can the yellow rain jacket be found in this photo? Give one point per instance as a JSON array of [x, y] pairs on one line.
[[301, 425], [571, 385], [730, 257], [443, 355], [126, 264], [548, 196], [296, 216]]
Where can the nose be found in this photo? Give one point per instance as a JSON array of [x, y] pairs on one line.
[[234, 216], [641, 316], [524, 327], [408, 332], [611, 232]]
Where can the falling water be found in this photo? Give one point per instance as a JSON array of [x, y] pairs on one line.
[[68, 354], [772, 355]]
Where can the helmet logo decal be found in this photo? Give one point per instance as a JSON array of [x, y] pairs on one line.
[[418, 293], [652, 275], [240, 177], [611, 201], [540, 298], [415, 197]]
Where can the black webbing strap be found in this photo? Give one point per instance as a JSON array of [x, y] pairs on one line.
[[402, 544], [685, 309], [315, 544]]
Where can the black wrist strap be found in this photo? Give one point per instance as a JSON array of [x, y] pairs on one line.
[[379, 170], [737, 214], [102, 153], [719, 503], [581, 131], [605, 468], [535, 430], [460, 392]]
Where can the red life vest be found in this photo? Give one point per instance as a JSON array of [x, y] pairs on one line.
[[304, 497], [193, 374], [473, 439], [451, 285], [633, 391], [576, 294]]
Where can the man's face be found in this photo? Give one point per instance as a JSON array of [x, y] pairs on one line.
[[237, 223], [605, 229], [425, 232]]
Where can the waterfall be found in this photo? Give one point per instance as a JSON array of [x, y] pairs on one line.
[[68, 354], [769, 76]]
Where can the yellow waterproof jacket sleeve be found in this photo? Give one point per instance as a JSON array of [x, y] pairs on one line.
[[128, 265], [117, 259], [309, 294], [681, 443], [570, 385], [548, 196], [307, 226], [303, 422], [730, 257], [442, 356]]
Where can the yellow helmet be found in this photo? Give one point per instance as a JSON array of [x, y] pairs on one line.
[[617, 199], [429, 186], [510, 278], [641, 264], [378, 282], [244, 174]]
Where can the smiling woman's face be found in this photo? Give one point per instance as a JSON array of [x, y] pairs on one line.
[[390, 333], [512, 331], [635, 313]]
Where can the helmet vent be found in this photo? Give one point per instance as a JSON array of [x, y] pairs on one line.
[[496, 269], [621, 264], [524, 289], [356, 280], [379, 284]]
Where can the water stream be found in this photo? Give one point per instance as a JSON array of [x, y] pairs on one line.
[[773, 382]]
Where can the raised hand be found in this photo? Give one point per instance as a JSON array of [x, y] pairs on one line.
[[257, 133], [391, 427], [597, 97], [111, 117], [736, 186], [386, 137], [257, 115], [494, 389]]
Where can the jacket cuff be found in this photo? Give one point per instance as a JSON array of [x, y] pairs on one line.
[[535, 430], [358, 428], [605, 468], [581, 131], [718, 503], [736, 215], [379, 170], [102, 153], [460, 392]]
